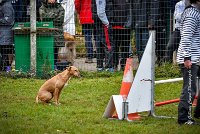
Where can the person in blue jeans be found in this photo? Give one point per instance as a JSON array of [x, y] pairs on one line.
[[84, 9], [88, 32]]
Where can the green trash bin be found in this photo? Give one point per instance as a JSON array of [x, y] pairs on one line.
[[44, 47]]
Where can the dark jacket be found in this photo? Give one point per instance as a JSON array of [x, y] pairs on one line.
[[52, 12], [22, 10], [6, 22], [19, 10], [122, 13], [145, 12]]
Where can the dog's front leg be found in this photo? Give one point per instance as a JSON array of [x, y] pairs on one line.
[[56, 96]]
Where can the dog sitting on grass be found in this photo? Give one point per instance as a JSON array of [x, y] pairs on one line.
[[52, 87]]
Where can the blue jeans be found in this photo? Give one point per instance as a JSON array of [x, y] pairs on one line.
[[87, 31]]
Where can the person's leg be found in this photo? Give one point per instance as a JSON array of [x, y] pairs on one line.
[[172, 45], [7, 55], [87, 31], [142, 35], [93, 42], [137, 41], [197, 108], [58, 42], [125, 46], [160, 44], [99, 47], [184, 105], [169, 52], [109, 48], [10, 54], [116, 37]]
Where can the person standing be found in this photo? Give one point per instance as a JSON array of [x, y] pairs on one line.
[[188, 58], [84, 9], [145, 16], [69, 20], [175, 36], [6, 33], [52, 10], [103, 19], [122, 23]]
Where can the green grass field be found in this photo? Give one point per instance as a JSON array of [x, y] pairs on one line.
[[83, 103]]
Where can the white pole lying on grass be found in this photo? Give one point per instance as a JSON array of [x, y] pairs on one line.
[[168, 80]]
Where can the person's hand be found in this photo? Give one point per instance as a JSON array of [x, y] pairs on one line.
[[150, 27], [187, 64], [106, 26], [51, 1]]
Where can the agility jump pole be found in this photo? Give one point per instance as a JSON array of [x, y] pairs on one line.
[[173, 100], [168, 101], [168, 80]]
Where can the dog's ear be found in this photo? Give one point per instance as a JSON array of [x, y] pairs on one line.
[[68, 68]]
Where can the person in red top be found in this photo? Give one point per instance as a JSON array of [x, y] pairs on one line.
[[84, 9]]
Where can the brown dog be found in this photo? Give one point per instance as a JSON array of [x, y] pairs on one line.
[[52, 87]]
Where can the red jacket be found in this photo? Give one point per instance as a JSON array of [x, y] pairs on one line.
[[84, 9]]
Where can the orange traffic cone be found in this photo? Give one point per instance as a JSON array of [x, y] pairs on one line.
[[127, 78], [126, 86]]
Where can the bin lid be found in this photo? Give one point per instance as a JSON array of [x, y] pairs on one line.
[[38, 24], [41, 27]]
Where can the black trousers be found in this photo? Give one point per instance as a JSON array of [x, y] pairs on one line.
[[104, 45], [173, 44], [122, 46], [184, 105]]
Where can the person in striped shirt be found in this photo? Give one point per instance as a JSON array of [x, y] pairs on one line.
[[188, 58]]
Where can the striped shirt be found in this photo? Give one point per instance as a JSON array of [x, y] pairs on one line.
[[189, 46]]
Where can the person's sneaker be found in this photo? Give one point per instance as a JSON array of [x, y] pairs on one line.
[[100, 69], [88, 61], [131, 55], [110, 70], [189, 122]]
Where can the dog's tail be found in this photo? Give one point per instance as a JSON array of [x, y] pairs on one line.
[[37, 99]]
